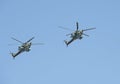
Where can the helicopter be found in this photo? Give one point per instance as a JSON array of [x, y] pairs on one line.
[[77, 34], [24, 47]]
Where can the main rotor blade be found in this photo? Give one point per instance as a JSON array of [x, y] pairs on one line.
[[65, 28], [12, 44], [37, 43], [68, 34], [77, 25], [16, 40], [30, 39], [89, 29], [85, 34]]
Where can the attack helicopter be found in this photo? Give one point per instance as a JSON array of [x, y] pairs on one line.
[[77, 34], [24, 47]]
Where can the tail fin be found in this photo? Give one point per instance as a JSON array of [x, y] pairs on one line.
[[66, 42], [13, 55]]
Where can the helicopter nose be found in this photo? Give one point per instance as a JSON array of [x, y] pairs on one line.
[[30, 43]]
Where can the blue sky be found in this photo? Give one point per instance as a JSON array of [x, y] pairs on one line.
[[92, 60]]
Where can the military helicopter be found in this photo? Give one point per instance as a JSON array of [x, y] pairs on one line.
[[24, 47], [77, 34]]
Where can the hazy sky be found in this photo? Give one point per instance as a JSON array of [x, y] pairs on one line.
[[92, 60]]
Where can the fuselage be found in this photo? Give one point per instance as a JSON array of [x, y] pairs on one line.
[[25, 47], [77, 35]]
